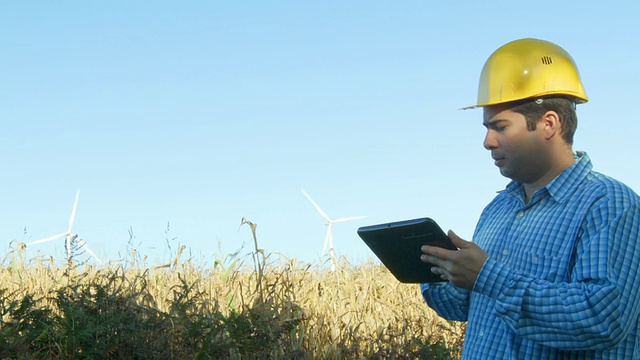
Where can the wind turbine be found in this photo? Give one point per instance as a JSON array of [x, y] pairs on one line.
[[70, 238], [329, 239]]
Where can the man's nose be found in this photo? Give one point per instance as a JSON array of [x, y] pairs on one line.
[[490, 142]]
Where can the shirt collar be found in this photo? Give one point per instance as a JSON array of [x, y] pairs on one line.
[[564, 184]]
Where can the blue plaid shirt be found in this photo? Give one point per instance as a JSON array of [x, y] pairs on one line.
[[562, 278]]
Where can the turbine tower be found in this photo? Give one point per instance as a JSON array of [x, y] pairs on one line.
[[329, 239], [70, 238]]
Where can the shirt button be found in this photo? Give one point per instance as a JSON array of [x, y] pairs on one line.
[[520, 214], [505, 253], [481, 333]]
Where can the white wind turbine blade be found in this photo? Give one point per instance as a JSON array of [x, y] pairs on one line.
[[349, 219], [86, 247], [73, 212], [47, 239], [322, 213]]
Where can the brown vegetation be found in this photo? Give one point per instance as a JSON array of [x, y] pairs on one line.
[[274, 309]]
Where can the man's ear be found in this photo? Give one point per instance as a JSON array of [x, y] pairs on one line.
[[551, 124]]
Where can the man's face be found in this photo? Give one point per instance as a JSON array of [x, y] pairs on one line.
[[519, 153]]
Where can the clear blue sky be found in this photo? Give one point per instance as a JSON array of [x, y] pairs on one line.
[[196, 114]]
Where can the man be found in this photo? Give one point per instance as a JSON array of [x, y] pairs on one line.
[[553, 269]]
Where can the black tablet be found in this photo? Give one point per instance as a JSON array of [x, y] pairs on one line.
[[397, 245]]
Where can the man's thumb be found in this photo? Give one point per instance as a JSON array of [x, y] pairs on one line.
[[457, 240]]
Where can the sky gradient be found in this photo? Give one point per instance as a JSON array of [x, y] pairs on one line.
[[176, 120]]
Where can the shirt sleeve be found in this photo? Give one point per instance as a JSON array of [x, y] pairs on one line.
[[448, 301], [597, 308]]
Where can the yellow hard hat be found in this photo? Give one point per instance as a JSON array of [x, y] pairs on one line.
[[528, 68]]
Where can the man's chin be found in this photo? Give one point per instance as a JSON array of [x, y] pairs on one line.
[[505, 172]]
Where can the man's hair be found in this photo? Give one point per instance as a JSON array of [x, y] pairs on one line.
[[533, 110]]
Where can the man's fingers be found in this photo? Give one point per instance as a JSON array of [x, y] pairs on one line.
[[459, 267], [444, 275], [434, 251], [431, 259], [437, 251]]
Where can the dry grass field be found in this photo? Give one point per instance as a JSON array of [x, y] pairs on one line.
[[259, 307]]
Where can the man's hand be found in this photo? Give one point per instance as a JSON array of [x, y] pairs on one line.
[[460, 267]]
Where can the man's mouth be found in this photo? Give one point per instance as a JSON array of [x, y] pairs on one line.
[[498, 161]]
